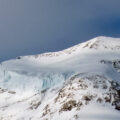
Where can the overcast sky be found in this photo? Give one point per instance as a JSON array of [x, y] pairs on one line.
[[37, 26]]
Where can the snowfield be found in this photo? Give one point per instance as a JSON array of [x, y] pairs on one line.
[[78, 83]]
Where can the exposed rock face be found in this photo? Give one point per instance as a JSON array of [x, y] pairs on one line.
[[77, 94]]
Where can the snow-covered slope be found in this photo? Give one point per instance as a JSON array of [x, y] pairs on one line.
[[64, 85]]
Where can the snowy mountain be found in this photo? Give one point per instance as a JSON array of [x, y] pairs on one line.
[[78, 83]]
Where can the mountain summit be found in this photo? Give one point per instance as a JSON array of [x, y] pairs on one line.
[[78, 83]]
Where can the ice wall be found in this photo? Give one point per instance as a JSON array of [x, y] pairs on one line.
[[21, 82]]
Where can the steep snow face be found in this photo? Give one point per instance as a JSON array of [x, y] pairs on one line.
[[35, 82]]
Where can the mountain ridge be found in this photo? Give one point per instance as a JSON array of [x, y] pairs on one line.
[[82, 45], [63, 85]]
